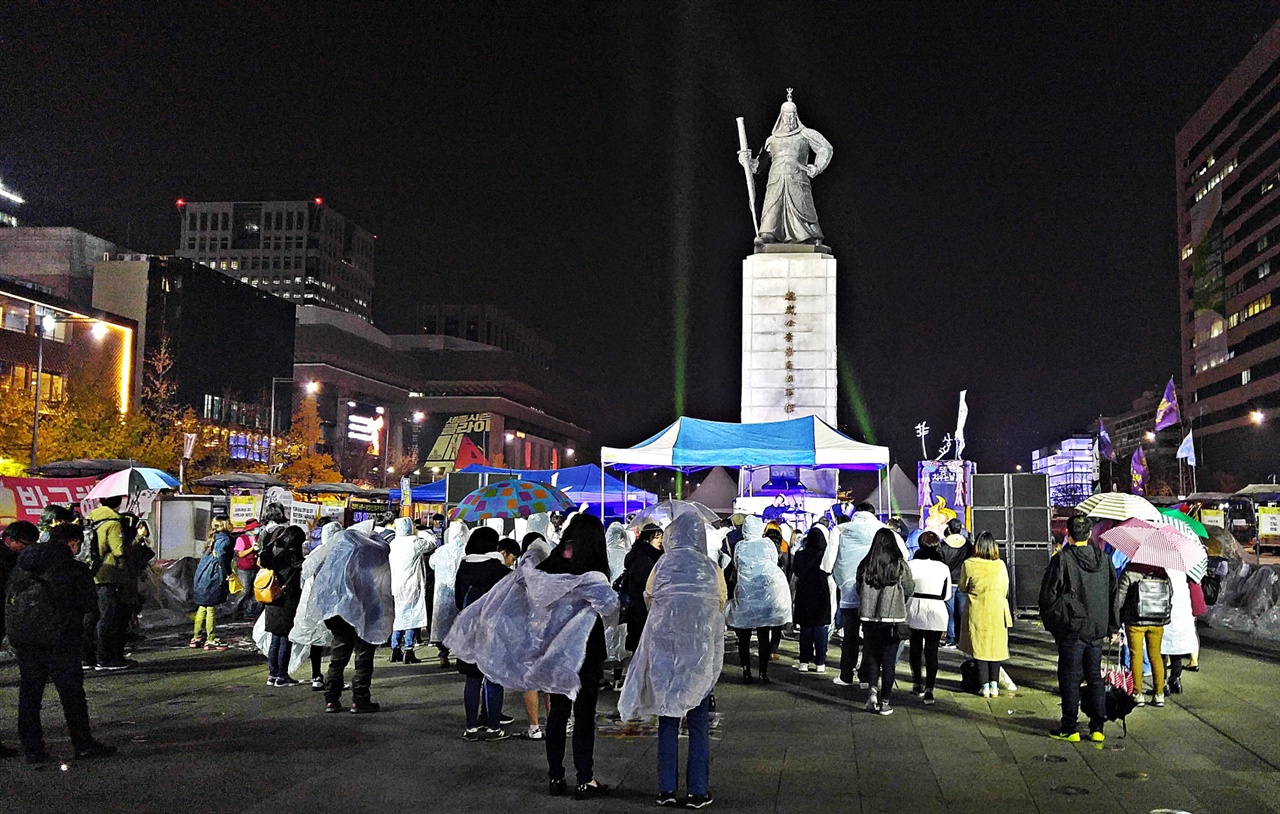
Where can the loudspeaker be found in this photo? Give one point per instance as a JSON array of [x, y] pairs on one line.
[[1031, 525], [460, 484], [1031, 491], [995, 521], [1029, 564], [990, 491]]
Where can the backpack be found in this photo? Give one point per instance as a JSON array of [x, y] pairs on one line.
[[1211, 587], [624, 595], [969, 677], [33, 617], [1152, 600], [1063, 616], [90, 554], [266, 587]]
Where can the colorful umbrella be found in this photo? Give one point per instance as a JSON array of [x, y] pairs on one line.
[[131, 481], [1119, 506], [1183, 522], [663, 512], [511, 498], [1161, 546]]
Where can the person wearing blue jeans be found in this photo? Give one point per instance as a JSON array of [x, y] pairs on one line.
[[476, 687], [698, 763], [813, 648], [956, 604], [402, 642]]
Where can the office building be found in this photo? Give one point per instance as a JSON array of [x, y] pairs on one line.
[[488, 325], [57, 260], [301, 251], [1069, 468], [1228, 221]]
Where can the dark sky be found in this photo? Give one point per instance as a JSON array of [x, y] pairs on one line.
[[1000, 201]]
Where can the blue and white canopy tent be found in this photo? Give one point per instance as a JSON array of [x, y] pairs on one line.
[[585, 484], [691, 444]]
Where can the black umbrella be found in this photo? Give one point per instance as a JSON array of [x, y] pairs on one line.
[[228, 480], [82, 468]]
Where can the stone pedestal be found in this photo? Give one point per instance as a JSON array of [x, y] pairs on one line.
[[789, 334]]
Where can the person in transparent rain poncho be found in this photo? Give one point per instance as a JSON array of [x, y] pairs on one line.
[[679, 657], [308, 625], [761, 597], [618, 543], [543, 629], [444, 562], [408, 584]]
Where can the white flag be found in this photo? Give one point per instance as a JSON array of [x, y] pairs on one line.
[[960, 419], [1097, 462], [1187, 449]]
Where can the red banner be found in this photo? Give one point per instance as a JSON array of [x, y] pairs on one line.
[[24, 498]]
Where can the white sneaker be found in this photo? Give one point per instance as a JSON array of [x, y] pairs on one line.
[[995, 690], [840, 682], [873, 701], [986, 690], [821, 668], [802, 667], [535, 733]]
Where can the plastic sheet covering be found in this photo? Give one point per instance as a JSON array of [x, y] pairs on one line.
[[681, 650], [308, 624], [541, 523], [529, 632], [715, 545], [617, 543], [1249, 601], [166, 589], [444, 561], [762, 597], [355, 583], [298, 653], [853, 541], [409, 576]]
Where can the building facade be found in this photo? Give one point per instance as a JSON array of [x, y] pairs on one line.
[[10, 200], [301, 251], [488, 325], [1228, 221], [1069, 468], [57, 260]]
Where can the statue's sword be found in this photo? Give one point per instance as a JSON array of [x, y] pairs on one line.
[[751, 181]]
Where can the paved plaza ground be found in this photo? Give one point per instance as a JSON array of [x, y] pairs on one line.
[[200, 732]]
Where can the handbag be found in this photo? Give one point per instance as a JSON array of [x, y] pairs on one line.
[[266, 587], [234, 585]]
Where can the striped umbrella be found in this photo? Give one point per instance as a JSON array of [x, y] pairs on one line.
[[1162, 546], [1119, 506], [131, 481], [511, 498], [1183, 522]]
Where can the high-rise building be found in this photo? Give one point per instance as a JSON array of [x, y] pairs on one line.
[[302, 251], [1228, 208], [10, 200]]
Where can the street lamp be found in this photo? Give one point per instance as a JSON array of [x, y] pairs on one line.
[[1148, 436]]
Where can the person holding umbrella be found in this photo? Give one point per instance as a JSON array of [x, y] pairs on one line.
[[115, 593]]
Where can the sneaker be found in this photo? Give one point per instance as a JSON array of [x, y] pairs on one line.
[[947, 646], [820, 669], [667, 799], [333, 706], [117, 666], [365, 707], [873, 701], [585, 791], [505, 720], [698, 801], [214, 644], [472, 734], [840, 682], [803, 667], [1139, 700], [557, 787], [885, 709], [986, 690], [928, 698], [498, 734], [287, 681], [534, 733], [995, 690], [196, 644], [1158, 700], [917, 690], [271, 681], [94, 749], [1096, 736], [1061, 734], [317, 684]]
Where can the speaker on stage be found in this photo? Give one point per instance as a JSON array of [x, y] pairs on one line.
[[458, 485]]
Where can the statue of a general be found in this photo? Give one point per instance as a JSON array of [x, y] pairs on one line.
[[796, 155]]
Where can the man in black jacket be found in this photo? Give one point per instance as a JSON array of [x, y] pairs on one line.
[[16, 537], [1075, 606], [71, 591]]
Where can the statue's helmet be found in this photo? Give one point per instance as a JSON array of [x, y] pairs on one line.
[[788, 119]]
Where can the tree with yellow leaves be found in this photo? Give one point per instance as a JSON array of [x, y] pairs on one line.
[[303, 464]]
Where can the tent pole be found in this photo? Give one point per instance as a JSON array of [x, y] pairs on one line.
[[625, 488], [602, 495]]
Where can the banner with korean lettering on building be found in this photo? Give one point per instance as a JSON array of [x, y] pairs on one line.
[[25, 498], [460, 440]]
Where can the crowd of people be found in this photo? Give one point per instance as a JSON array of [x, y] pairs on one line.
[[548, 615]]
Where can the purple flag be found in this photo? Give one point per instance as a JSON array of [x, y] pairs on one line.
[[1104, 442], [1167, 412], [1138, 471]]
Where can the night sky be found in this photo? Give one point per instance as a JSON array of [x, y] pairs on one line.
[[1001, 201]]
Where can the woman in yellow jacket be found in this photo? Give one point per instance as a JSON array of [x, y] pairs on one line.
[[985, 635]]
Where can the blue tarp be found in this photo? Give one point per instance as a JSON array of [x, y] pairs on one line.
[[582, 483]]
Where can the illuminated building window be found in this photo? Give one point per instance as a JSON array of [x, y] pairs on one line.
[[1186, 251], [1249, 311], [1216, 179]]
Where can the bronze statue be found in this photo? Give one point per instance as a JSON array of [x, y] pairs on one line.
[[788, 215]]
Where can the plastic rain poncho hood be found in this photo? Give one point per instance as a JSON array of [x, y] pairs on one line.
[[308, 625], [355, 583], [617, 544], [681, 650], [444, 561], [409, 576], [762, 597], [853, 539], [529, 632]]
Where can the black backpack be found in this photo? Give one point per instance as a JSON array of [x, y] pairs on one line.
[[33, 617], [90, 554]]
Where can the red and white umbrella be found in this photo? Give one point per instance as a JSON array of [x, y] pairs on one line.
[[1161, 546]]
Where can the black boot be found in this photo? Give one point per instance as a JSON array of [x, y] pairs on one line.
[[410, 658], [747, 678], [396, 655]]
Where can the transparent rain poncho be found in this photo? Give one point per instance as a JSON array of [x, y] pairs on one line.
[[444, 561], [355, 583], [853, 539], [308, 625], [529, 632], [681, 650], [409, 576], [617, 544], [762, 597]]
